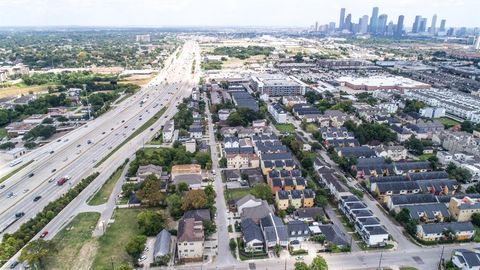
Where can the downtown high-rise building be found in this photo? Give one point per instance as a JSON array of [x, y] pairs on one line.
[[442, 25], [416, 24], [399, 30], [382, 24], [374, 20], [363, 24], [422, 27], [433, 26], [348, 23], [341, 24]]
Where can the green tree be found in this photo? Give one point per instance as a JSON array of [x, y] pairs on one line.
[[135, 247], [298, 57], [232, 244], [7, 146], [262, 191], [476, 219], [301, 266], [194, 199], [149, 192], [35, 253], [403, 216], [415, 145], [467, 126], [319, 263], [150, 222], [209, 228], [174, 203]]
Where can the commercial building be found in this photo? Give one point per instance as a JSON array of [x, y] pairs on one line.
[[277, 85], [380, 83]]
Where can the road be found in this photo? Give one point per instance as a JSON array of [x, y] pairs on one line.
[[224, 256], [181, 80], [72, 155]]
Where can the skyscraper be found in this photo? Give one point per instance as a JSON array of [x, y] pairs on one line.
[[477, 43], [442, 25], [382, 24], [433, 26], [399, 30], [341, 25], [416, 24], [374, 20], [348, 22], [363, 24], [422, 27], [316, 26]]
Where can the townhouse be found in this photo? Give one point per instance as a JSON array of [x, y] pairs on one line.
[[278, 113], [462, 209], [432, 232]]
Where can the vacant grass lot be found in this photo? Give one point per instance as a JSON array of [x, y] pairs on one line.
[[74, 244], [3, 133], [233, 194], [285, 128], [104, 192], [447, 122], [111, 246], [17, 90]]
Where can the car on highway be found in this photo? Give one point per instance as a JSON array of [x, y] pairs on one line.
[[54, 170], [103, 132], [13, 265], [51, 180], [44, 233], [151, 129], [2, 186], [10, 195], [59, 140], [51, 152], [66, 140], [19, 215], [123, 121], [37, 198], [31, 174], [111, 129], [89, 142], [26, 190], [78, 145]]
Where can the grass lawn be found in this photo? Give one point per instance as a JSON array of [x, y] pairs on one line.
[[407, 268], [3, 133], [232, 194], [477, 234], [21, 89], [310, 128], [22, 165], [104, 192], [447, 122], [425, 157], [74, 244], [139, 130], [111, 246], [285, 128]]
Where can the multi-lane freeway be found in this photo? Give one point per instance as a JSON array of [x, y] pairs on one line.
[[76, 153]]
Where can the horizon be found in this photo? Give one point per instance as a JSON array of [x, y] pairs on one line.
[[232, 13]]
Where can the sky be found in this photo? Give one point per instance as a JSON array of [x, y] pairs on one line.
[[292, 13]]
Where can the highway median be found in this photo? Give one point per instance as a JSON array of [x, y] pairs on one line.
[[10, 174], [141, 129]]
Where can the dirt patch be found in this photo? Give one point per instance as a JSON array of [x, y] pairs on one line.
[[85, 256]]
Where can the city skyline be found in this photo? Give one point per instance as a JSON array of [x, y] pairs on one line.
[[458, 13]]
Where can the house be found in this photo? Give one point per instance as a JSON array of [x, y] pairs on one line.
[[274, 231], [298, 230], [403, 134], [394, 188], [232, 175], [190, 145], [247, 202], [309, 214], [295, 198], [437, 231], [439, 186], [282, 198], [187, 173], [256, 213], [374, 235], [355, 152], [394, 152], [428, 213], [242, 160], [224, 113], [463, 209], [162, 246], [308, 198], [168, 130], [252, 235], [330, 181], [278, 113], [465, 259], [231, 142], [395, 202], [334, 235], [190, 238], [195, 132], [144, 171], [198, 214], [412, 167]]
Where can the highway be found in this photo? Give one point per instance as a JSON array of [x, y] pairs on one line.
[[75, 156]]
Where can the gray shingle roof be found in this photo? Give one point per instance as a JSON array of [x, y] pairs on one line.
[[162, 244], [440, 227], [251, 231]]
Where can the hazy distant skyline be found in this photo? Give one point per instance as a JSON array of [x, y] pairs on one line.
[[301, 13]]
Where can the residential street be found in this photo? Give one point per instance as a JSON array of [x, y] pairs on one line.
[[224, 256]]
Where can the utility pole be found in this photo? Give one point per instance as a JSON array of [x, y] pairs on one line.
[[86, 95], [380, 261], [441, 254]]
